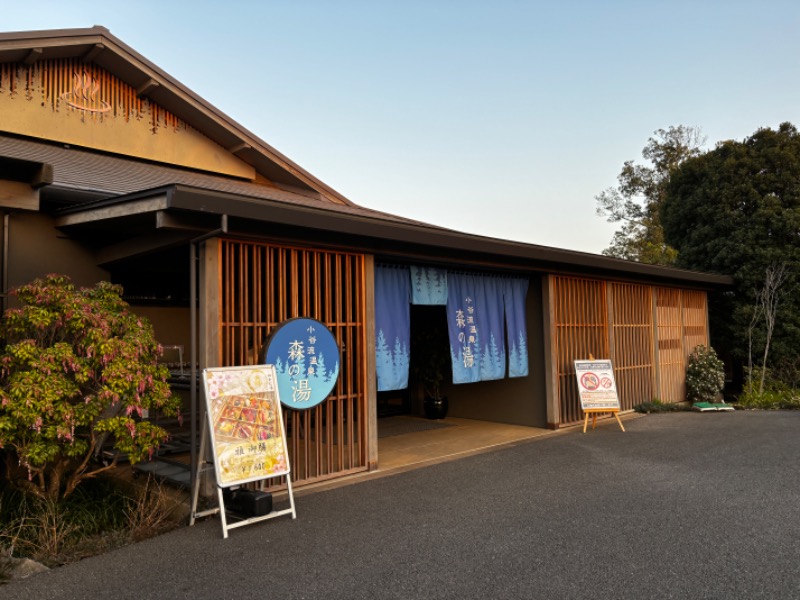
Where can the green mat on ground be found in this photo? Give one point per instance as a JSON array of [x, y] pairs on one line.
[[711, 406]]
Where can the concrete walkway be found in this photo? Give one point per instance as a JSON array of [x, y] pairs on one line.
[[682, 505]]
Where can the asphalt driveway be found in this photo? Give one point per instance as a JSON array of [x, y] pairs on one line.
[[682, 505]]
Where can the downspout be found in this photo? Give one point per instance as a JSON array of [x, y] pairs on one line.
[[4, 283]]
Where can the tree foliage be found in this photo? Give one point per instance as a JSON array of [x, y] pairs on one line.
[[736, 210], [636, 201], [77, 366]]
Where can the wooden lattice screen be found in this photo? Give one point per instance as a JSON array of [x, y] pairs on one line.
[[695, 320], [671, 353], [632, 324], [682, 325], [649, 352], [581, 329], [263, 285]]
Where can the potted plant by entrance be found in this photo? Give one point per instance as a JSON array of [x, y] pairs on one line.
[[430, 357]]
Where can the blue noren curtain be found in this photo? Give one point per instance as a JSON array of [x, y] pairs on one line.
[[514, 293], [428, 285], [493, 334], [464, 328], [392, 327]]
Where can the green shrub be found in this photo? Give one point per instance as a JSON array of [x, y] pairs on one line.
[[777, 393], [48, 531], [705, 375], [657, 405], [102, 514], [769, 400]]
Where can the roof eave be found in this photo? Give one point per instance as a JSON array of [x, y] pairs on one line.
[[373, 226]]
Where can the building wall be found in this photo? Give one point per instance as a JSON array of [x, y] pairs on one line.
[[171, 326], [36, 248], [647, 331]]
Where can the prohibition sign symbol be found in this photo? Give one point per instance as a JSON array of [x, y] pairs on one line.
[[590, 381]]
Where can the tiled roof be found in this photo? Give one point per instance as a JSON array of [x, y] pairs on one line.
[[97, 173]]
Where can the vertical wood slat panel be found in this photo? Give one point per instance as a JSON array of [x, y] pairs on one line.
[[265, 284], [312, 273], [632, 323], [303, 302], [671, 354], [582, 326], [695, 320], [365, 362], [581, 330], [348, 302], [329, 406]]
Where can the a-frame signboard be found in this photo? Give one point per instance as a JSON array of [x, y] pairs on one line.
[[245, 428]]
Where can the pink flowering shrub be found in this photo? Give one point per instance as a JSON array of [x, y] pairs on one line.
[[77, 367]]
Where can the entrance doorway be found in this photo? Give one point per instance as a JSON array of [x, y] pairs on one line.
[[429, 363], [394, 402]]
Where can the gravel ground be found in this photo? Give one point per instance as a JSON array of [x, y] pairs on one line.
[[682, 505]]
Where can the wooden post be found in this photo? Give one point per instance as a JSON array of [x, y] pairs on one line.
[[209, 325], [612, 350], [369, 359], [550, 353], [656, 349]]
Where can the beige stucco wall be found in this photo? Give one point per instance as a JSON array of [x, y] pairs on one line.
[[171, 326]]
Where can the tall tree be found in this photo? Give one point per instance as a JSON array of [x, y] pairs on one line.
[[636, 201], [736, 210]]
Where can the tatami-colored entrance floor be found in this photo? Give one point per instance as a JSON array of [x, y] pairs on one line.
[[460, 438], [406, 451]]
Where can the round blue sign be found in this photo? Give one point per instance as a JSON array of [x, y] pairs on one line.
[[306, 360]]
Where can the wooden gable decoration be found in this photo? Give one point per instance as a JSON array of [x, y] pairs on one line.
[[72, 102]]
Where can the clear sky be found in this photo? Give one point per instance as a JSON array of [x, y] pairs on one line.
[[503, 118]]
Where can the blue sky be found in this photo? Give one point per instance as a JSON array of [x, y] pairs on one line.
[[501, 118]]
